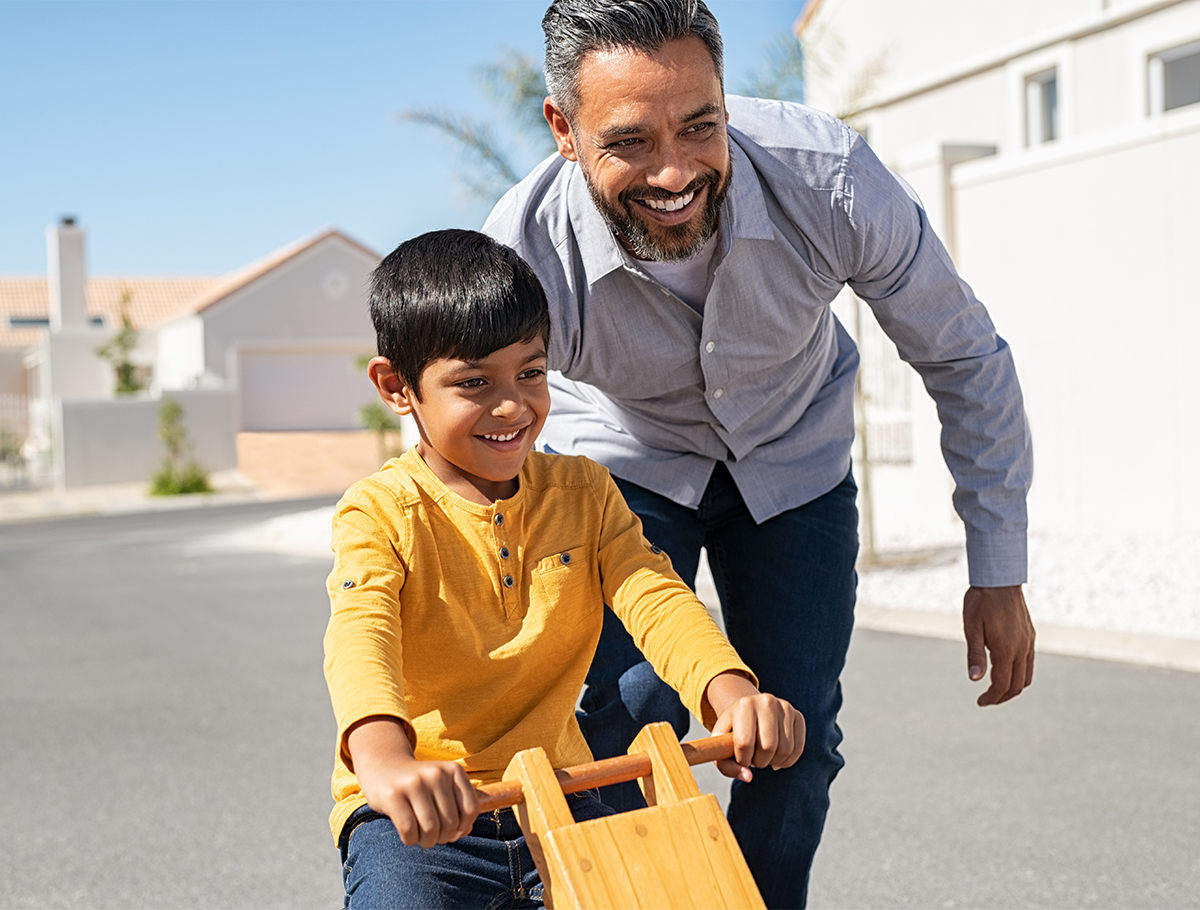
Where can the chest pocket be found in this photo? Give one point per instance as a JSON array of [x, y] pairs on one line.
[[565, 581]]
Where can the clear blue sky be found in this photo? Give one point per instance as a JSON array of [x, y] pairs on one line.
[[195, 137]]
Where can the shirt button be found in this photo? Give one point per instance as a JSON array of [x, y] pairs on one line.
[[655, 548], [504, 552], [508, 581], [566, 559], [499, 519], [710, 347], [717, 394]]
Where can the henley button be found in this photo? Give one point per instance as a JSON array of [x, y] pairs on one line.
[[504, 552], [499, 519], [566, 559], [508, 581], [655, 548], [710, 347], [717, 394]]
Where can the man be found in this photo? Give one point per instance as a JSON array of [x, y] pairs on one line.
[[690, 245]]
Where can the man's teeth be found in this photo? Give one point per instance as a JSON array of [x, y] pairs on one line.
[[502, 437], [670, 205]]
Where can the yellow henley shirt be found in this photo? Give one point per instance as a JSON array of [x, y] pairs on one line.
[[475, 625]]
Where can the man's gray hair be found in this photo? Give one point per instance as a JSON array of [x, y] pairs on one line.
[[573, 28]]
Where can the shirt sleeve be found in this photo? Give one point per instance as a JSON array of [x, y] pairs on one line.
[[666, 620], [899, 267], [363, 659]]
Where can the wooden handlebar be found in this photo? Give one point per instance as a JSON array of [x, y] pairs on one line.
[[505, 793]]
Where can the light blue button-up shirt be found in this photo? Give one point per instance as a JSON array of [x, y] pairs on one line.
[[764, 379]]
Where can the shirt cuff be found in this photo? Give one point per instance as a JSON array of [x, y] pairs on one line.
[[996, 560]]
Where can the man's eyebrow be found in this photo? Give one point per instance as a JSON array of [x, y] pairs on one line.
[[616, 132], [705, 110]]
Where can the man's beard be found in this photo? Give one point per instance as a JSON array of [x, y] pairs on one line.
[[664, 243]]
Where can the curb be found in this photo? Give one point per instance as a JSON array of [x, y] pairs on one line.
[[1097, 644]]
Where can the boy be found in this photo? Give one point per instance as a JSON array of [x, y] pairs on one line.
[[468, 589]]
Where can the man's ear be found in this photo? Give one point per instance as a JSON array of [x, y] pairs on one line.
[[395, 394], [561, 128]]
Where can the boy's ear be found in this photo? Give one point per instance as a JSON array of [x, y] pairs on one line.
[[395, 394]]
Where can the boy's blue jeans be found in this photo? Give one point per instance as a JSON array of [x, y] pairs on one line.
[[489, 868], [787, 595]]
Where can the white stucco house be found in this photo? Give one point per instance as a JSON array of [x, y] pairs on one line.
[[1056, 147], [271, 347]]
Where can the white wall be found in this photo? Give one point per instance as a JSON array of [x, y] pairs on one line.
[[117, 441], [1086, 256], [71, 367], [180, 354]]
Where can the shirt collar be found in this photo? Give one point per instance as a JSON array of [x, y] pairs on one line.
[[743, 215]]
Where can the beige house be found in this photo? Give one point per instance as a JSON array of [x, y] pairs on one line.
[[271, 348], [1055, 145]]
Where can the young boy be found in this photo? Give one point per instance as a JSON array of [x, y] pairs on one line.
[[468, 589]]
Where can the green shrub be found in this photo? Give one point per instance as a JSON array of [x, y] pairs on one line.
[[176, 476], [172, 481]]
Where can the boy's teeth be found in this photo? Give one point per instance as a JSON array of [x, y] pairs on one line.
[[501, 437], [670, 205]]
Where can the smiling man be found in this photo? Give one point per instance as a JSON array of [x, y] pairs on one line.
[[691, 245]]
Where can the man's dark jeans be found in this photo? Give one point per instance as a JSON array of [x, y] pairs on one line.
[[787, 597]]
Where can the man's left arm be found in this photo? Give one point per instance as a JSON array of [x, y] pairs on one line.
[[903, 272]]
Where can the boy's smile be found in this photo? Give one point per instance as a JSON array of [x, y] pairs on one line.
[[479, 419]]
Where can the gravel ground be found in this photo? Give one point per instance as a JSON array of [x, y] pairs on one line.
[[1149, 585]]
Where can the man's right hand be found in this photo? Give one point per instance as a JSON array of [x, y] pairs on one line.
[[429, 802]]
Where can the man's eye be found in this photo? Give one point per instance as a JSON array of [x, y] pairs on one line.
[[699, 129], [624, 144]]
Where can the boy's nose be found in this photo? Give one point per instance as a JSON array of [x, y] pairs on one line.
[[509, 404]]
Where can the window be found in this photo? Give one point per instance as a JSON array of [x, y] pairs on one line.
[[29, 322], [1175, 78], [1041, 107]]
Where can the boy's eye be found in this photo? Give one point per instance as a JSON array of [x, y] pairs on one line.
[[474, 383], [533, 373]]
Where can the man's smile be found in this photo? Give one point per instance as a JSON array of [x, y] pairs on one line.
[[668, 205]]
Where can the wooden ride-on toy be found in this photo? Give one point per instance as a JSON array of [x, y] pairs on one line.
[[678, 852]]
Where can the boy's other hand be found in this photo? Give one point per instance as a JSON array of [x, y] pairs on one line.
[[429, 802], [767, 731]]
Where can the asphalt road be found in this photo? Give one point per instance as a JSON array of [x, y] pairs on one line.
[[167, 742]]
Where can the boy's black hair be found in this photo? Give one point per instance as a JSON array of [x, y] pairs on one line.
[[453, 293]]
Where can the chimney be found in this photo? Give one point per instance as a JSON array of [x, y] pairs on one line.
[[64, 254]]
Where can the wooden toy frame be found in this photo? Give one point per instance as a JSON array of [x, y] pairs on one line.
[[679, 852]]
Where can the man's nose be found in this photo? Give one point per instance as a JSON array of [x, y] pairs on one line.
[[671, 169]]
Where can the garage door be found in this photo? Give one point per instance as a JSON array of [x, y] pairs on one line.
[[302, 389]]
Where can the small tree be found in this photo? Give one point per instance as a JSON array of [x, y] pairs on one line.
[[117, 351], [380, 421], [179, 472]]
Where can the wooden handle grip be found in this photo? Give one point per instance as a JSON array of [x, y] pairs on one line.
[[505, 793]]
